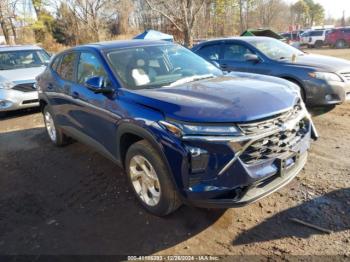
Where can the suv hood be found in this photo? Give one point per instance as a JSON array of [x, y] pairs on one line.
[[325, 63], [21, 74], [219, 100]]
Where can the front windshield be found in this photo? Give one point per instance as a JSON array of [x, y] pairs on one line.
[[22, 59], [275, 49], [158, 66]]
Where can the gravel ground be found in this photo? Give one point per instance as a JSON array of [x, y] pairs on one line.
[[72, 200]]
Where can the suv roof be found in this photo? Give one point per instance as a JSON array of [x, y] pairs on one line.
[[18, 47], [123, 44]]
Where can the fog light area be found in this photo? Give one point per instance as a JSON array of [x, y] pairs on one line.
[[5, 104], [199, 159]]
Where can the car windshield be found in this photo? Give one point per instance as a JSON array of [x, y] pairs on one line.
[[22, 59], [275, 49], [159, 66]]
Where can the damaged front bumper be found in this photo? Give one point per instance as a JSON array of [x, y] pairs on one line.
[[260, 164]]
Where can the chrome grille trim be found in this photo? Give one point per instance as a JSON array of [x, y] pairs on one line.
[[275, 145], [248, 140], [272, 123]]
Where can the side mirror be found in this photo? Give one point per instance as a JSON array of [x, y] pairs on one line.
[[252, 58], [97, 84]]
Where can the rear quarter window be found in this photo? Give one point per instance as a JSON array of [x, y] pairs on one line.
[[66, 69], [55, 63]]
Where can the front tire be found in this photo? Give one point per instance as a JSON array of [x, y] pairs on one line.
[[53, 130], [150, 180]]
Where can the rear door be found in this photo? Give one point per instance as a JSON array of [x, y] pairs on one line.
[[59, 86]]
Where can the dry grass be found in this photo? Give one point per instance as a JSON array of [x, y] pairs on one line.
[[340, 53]]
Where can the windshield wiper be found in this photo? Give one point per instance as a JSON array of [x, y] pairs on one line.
[[190, 79]]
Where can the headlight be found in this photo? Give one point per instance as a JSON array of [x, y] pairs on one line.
[[326, 76], [180, 129], [6, 84]]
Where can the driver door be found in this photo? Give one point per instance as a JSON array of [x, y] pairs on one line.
[[91, 111], [234, 59]]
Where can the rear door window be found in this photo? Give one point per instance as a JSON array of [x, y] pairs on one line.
[[66, 69], [316, 33]]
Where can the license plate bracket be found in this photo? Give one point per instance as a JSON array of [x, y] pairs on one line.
[[286, 163]]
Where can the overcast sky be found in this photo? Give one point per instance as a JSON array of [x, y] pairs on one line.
[[333, 8]]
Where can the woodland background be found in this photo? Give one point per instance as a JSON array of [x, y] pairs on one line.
[[57, 24]]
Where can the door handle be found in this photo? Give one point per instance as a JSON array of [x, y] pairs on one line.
[[75, 94]]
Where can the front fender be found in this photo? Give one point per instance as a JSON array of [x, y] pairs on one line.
[[170, 150]]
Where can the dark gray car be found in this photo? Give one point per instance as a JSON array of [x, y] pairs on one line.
[[323, 80]]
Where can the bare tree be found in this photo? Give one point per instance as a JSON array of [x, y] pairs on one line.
[[91, 13], [181, 14], [7, 18]]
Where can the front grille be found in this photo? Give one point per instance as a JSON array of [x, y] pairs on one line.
[[27, 87], [346, 75], [281, 138], [270, 123], [276, 144]]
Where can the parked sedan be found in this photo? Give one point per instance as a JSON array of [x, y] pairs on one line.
[[322, 80], [183, 131], [19, 65]]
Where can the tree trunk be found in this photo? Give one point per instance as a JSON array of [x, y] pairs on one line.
[[13, 31], [188, 38], [5, 31], [241, 15]]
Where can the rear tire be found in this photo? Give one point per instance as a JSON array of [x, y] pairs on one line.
[[318, 44], [150, 180], [54, 132], [340, 44]]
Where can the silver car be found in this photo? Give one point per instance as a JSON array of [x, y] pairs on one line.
[[19, 65]]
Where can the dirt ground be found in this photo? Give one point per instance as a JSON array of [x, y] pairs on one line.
[[72, 200]]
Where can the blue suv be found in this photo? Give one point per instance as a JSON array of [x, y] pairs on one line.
[[183, 131]]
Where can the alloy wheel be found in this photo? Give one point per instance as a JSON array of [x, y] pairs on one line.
[[50, 126], [144, 180]]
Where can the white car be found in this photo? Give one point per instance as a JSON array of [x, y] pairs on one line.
[[19, 66], [314, 38]]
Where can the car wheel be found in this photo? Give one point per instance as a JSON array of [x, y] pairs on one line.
[[2, 114], [54, 132], [318, 44], [340, 44], [150, 179]]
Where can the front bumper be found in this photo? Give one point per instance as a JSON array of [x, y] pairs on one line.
[[321, 93], [237, 181], [13, 99], [253, 192]]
